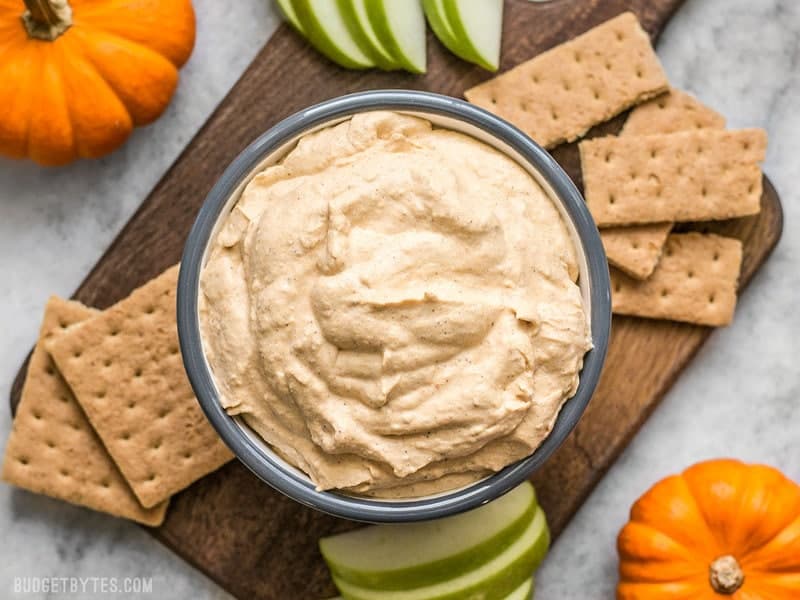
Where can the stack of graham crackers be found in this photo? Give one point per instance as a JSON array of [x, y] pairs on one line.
[[672, 163], [107, 418]]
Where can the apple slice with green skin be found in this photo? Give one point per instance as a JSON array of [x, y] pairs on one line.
[[355, 17], [494, 580], [434, 11], [287, 10], [325, 28], [388, 557], [400, 26], [523, 592], [478, 27]]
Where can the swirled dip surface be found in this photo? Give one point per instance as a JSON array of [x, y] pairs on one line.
[[393, 308]]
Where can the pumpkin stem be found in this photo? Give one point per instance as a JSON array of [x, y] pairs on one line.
[[47, 19], [725, 575]]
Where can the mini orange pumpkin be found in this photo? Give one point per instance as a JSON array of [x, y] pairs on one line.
[[77, 75], [721, 529]]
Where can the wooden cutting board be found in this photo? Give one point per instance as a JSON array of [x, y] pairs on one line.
[[252, 540]]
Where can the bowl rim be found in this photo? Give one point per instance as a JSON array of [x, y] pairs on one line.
[[273, 472]]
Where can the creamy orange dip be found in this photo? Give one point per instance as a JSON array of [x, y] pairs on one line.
[[393, 308]]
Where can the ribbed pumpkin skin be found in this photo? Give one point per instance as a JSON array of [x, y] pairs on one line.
[[715, 508], [81, 95]]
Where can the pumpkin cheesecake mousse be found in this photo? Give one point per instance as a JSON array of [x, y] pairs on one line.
[[393, 308]]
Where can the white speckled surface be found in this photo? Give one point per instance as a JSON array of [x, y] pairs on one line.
[[740, 397]]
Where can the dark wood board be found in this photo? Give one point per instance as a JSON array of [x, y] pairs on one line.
[[247, 537]]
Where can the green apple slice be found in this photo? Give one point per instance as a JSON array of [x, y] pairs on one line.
[[478, 27], [287, 10], [493, 580], [434, 11], [400, 26], [355, 17], [523, 592], [390, 556], [325, 28]]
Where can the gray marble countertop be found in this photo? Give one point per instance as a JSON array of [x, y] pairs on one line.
[[740, 397]]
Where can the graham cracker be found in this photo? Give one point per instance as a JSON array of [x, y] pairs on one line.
[[672, 112], [124, 367], [695, 282], [687, 176], [53, 449], [560, 94], [636, 249]]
